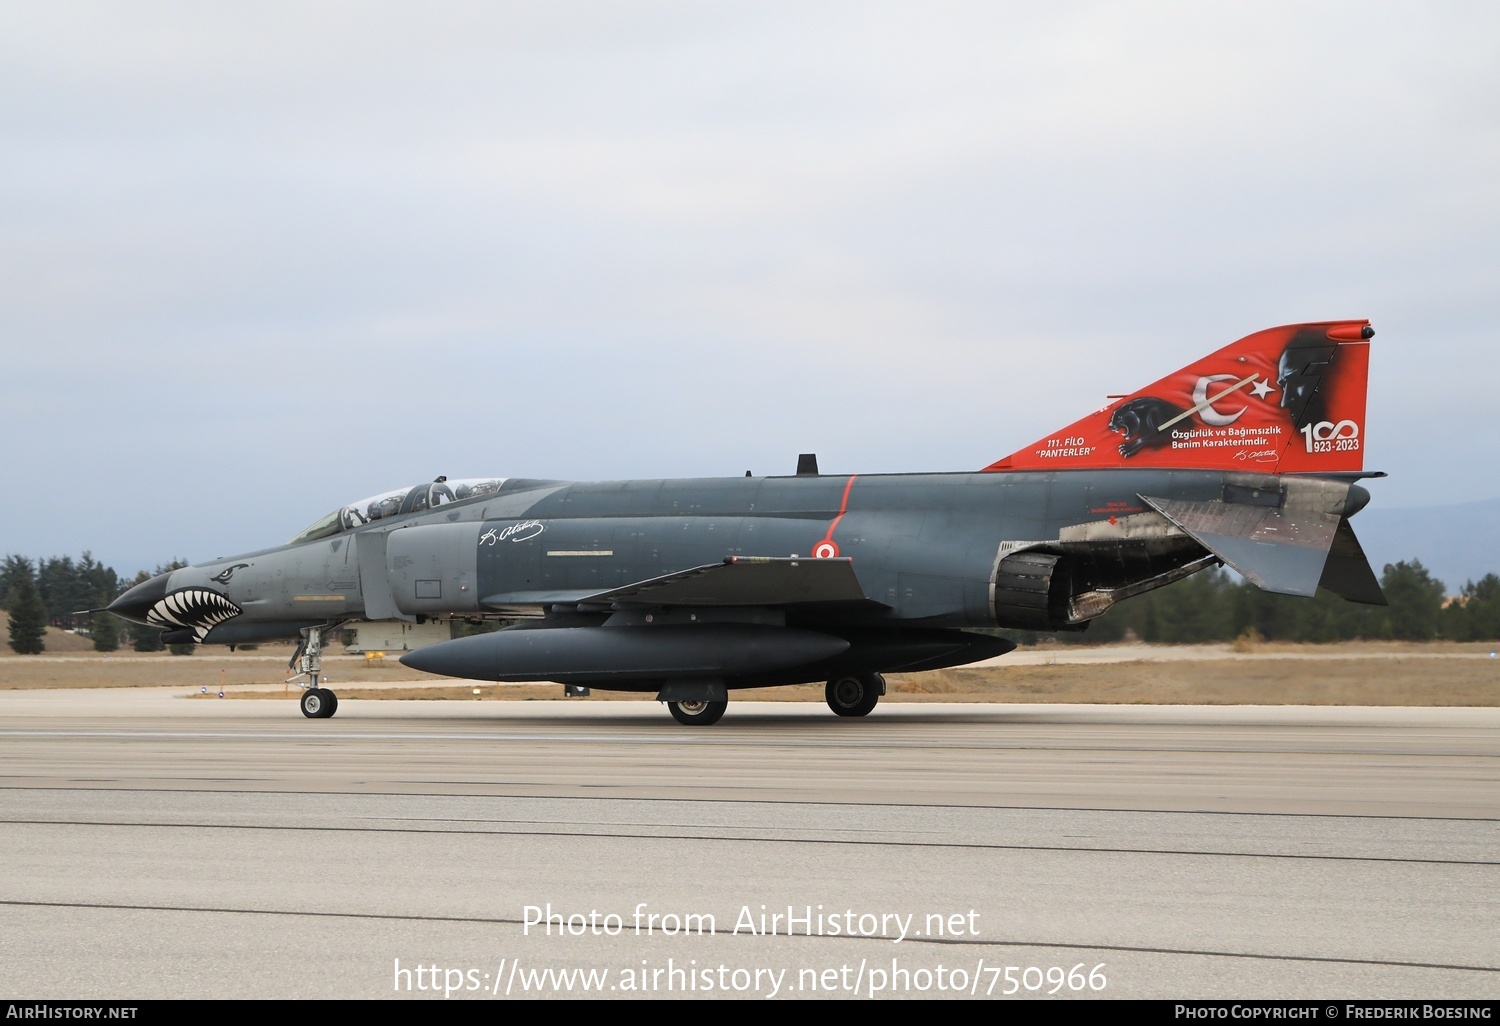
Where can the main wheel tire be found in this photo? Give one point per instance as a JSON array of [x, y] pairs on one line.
[[697, 714], [853, 696]]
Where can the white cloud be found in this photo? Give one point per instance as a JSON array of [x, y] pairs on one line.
[[653, 238]]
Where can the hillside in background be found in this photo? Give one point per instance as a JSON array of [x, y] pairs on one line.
[[1455, 543], [57, 640]]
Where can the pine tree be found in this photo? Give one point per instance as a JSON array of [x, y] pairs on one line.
[[1484, 608], [55, 582], [1416, 601], [105, 631], [144, 638], [11, 571], [28, 617], [1475, 614]]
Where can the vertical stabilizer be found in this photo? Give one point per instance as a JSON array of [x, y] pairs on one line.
[[1283, 400]]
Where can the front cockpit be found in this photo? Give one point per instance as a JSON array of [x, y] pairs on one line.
[[397, 503]]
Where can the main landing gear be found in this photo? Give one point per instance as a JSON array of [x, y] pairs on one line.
[[854, 696], [318, 703], [700, 713], [847, 696]]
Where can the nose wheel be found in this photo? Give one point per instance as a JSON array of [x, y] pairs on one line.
[[319, 703]]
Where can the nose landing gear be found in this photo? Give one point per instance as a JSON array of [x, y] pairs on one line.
[[318, 703]]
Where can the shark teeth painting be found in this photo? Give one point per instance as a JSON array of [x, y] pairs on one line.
[[197, 609]]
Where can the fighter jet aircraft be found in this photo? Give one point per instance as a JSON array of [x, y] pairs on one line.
[[690, 589]]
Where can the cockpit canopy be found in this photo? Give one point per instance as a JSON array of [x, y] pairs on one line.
[[394, 503]]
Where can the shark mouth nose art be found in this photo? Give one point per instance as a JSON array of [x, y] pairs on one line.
[[197, 609]]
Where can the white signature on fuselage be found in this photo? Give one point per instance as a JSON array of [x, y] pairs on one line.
[[523, 531]]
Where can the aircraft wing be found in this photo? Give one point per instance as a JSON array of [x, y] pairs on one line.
[[736, 581], [745, 581]]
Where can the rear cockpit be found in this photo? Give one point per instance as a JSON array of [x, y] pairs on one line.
[[397, 503]]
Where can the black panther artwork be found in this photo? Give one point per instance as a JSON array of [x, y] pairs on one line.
[[1140, 421]]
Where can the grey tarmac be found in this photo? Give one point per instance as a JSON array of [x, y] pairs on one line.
[[156, 847]]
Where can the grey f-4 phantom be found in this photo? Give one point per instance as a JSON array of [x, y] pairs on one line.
[[691, 588]]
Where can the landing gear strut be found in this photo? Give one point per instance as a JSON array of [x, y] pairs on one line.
[[318, 703], [854, 696]]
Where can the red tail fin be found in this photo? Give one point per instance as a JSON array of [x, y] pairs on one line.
[[1283, 400]]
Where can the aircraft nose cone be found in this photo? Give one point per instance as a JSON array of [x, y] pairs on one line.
[[135, 603]]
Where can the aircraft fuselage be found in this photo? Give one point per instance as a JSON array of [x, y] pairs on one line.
[[924, 547]]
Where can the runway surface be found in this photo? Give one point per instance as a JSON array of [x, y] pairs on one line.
[[158, 847]]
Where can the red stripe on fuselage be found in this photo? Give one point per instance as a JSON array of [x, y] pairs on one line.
[[828, 538]]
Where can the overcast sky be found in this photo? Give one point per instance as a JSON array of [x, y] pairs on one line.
[[262, 259]]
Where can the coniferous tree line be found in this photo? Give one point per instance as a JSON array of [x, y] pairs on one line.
[[63, 585], [55, 592], [1209, 606], [1215, 605]]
